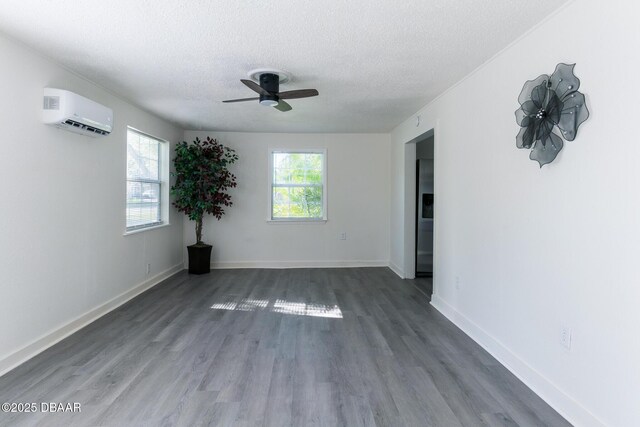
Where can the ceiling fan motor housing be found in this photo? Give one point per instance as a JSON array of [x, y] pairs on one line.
[[270, 83]]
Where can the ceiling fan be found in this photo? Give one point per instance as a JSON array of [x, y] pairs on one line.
[[269, 87]]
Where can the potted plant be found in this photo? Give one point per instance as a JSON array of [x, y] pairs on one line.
[[202, 180]]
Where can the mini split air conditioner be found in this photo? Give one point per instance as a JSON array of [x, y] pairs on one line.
[[69, 111]]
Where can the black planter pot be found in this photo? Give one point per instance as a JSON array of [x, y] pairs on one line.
[[199, 258]]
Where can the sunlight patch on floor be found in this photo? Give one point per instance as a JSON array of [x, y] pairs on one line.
[[282, 306]]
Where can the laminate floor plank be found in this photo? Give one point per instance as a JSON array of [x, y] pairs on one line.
[[268, 347]]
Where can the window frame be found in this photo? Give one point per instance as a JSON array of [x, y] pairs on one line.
[[161, 181], [270, 183]]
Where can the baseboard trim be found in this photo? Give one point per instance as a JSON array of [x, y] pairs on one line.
[[396, 270], [297, 264], [566, 406], [36, 347]]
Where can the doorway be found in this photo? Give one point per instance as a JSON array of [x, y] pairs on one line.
[[424, 213]]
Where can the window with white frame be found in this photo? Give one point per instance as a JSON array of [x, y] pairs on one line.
[[144, 180], [298, 185]]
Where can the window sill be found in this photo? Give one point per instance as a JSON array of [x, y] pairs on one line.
[[140, 230], [296, 221]]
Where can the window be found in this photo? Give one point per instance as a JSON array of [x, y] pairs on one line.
[[144, 180], [298, 185]]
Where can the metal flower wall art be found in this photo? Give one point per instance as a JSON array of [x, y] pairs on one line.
[[546, 103]]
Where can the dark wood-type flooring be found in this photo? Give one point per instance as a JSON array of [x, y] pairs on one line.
[[300, 347]]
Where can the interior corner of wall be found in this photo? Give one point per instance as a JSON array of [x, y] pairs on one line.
[[394, 267]]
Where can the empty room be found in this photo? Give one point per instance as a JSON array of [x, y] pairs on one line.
[[296, 213]]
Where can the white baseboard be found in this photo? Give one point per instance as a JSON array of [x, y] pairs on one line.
[[396, 269], [566, 406], [297, 264], [36, 347]]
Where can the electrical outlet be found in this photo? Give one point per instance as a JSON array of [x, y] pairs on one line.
[[457, 283], [148, 268], [565, 337], [343, 236]]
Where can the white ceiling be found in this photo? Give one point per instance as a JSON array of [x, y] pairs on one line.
[[374, 62]]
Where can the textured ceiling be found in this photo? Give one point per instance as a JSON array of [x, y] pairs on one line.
[[374, 62]]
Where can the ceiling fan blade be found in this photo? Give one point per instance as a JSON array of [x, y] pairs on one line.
[[255, 87], [241, 100], [282, 106], [301, 93]]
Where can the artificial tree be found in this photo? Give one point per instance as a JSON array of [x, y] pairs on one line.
[[202, 179]]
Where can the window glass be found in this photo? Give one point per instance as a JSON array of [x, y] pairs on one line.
[[298, 185], [144, 186]]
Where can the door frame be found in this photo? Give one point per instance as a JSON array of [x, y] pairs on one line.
[[410, 204]]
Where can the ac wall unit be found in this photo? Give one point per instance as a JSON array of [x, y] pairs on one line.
[[69, 111]]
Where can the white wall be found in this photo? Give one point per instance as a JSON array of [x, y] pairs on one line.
[[62, 251], [537, 249], [358, 204]]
